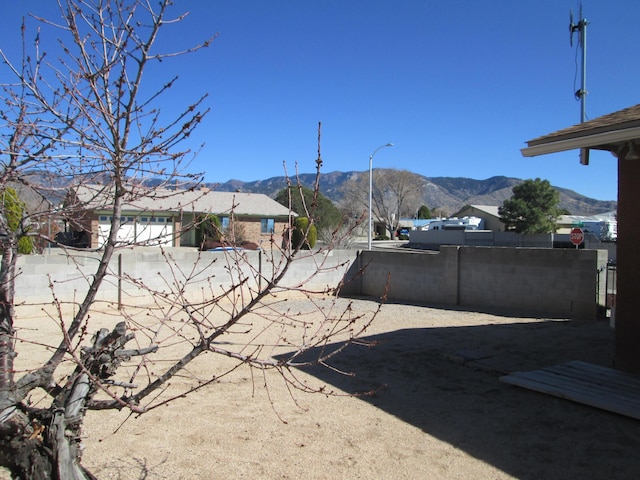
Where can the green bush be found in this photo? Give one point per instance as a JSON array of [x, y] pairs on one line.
[[25, 245], [14, 209], [300, 227], [381, 237], [209, 228]]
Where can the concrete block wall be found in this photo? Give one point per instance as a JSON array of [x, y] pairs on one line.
[[208, 273], [38, 275], [328, 269], [410, 276], [548, 282]]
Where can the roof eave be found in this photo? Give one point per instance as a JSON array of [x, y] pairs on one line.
[[596, 141]]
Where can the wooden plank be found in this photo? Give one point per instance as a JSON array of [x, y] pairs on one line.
[[586, 392], [553, 382], [585, 377], [584, 388], [592, 399], [607, 379], [610, 374], [585, 383]]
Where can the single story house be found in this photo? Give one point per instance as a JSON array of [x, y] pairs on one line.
[[161, 216], [488, 213]]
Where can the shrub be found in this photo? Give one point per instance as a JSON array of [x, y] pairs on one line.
[[208, 229], [14, 210], [300, 227], [25, 245]]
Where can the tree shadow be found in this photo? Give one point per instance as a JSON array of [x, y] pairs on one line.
[[445, 381], [119, 468]]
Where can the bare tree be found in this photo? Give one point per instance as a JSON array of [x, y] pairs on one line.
[[395, 194], [86, 116]]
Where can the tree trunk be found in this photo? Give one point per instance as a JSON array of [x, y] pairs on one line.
[[22, 449], [46, 443]]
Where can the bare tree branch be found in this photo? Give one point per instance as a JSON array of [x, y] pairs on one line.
[[87, 115]]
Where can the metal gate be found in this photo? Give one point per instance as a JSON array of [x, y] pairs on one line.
[[611, 286]]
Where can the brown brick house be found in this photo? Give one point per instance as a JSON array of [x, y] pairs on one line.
[[169, 217]]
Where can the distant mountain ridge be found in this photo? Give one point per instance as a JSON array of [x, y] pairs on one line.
[[449, 194]]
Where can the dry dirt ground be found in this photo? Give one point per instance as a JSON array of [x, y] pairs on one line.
[[441, 412]]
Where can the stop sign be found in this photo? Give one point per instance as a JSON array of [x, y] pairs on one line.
[[576, 236]]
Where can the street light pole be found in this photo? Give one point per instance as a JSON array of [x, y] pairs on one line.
[[371, 188]]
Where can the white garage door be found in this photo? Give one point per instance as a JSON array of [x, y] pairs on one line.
[[126, 234], [152, 231]]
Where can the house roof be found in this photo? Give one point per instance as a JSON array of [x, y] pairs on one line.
[[607, 132], [98, 197], [488, 209], [33, 199]]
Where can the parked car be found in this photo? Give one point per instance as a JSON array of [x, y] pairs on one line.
[[402, 234]]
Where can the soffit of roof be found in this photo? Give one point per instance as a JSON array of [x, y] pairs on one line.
[[603, 133]]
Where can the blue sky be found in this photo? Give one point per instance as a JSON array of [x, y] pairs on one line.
[[458, 86]]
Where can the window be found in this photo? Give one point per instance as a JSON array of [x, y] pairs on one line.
[[224, 222], [267, 225]]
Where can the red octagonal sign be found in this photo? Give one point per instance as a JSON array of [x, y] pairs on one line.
[[576, 236]]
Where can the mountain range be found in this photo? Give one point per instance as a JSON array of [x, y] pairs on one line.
[[447, 194]]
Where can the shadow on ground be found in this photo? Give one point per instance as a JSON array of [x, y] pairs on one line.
[[445, 381]]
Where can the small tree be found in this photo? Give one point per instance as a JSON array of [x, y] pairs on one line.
[[424, 212], [209, 229], [533, 208], [90, 118], [395, 194], [14, 210]]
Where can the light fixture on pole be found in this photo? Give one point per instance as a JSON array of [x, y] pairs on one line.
[[371, 188]]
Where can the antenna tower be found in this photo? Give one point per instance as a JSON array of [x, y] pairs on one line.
[[581, 29]]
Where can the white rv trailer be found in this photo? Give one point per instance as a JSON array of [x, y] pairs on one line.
[[455, 223]]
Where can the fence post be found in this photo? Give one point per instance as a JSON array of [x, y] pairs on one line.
[[260, 270], [120, 281]]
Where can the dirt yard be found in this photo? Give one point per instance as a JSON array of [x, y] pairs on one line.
[[440, 412]]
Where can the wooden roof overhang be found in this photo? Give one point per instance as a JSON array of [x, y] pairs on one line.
[[618, 133]]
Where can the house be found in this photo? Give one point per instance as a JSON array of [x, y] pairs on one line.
[[488, 213], [161, 216], [618, 133]]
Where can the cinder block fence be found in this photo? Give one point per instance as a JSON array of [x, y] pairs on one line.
[[558, 283], [40, 277], [561, 283]]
